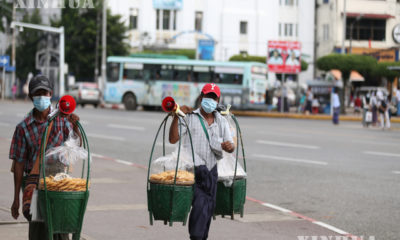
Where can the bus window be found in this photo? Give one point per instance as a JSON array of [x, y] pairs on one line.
[[201, 74], [151, 71], [166, 72], [112, 72], [133, 71], [182, 73], [228, 78]]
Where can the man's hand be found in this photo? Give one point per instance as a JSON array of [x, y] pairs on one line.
[[227, 146], [185, 109], [15, 209]]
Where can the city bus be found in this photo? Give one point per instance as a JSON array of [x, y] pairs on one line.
[[146, 81]]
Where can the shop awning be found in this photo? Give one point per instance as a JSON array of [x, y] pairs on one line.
[[336, 73], [356, 77], [369, 15]]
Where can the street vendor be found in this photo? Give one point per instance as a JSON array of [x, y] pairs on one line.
[[211, 136], [25, 144]]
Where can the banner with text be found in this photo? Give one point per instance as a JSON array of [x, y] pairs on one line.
[[284, 57]]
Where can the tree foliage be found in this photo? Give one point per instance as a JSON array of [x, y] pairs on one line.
[[381, 70], [81, 26], [346, 63], [261, 59], [190, 53]]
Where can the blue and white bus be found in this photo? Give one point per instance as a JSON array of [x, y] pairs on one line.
[[145, 82]]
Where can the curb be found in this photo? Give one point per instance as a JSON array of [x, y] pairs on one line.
[[301, 116], [271, 206]]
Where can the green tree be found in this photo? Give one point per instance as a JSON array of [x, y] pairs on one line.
[[81, 26], [5, 10], [382, 70], [346, 63]]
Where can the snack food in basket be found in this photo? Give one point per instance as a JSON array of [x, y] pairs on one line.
[[167, 177], [63, 183]]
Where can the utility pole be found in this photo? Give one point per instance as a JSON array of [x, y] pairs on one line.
[[104, 47], [13, 51], [344, 26], [96, 61]]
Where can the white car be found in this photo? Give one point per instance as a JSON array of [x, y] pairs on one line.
[[85, 93]]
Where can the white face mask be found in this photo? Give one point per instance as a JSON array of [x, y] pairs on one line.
[[41, 103]]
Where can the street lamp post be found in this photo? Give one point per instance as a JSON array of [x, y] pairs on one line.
[[60, 31], [351, 31]]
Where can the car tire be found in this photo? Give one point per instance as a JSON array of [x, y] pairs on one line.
[[95, 105], [82, 105], [130, 102]]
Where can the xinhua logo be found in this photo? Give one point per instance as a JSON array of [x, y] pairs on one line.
[[26, 4], [335, 238]]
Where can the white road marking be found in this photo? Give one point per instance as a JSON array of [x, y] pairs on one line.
[[284, 144], [289, 159], [126, 127], [276, 207], [385, 154], [124, 162], [396, 172], [332, 228], [106, 137], [3, 124]]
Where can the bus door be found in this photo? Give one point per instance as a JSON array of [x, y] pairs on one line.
[[112, 91]]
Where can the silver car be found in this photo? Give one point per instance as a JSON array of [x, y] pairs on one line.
[[85, 93]]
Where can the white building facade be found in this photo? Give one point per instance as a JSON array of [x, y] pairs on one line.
[[236, 26], [370, 26]]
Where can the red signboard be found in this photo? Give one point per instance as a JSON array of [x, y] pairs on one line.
[[284, 57]]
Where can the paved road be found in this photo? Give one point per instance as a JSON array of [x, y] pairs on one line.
[[343, 175]]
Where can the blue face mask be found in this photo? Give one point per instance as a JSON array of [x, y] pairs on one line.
[[41, 103], [208, 105]]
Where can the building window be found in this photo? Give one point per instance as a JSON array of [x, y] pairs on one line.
[[366, 29], [158, 19], [166, 19], [133, 18], [175, 16], [288, 29], [198, 21], [280, 29], [326, 1], [289, 2], [297, 30], [325, 32], [243, 27]]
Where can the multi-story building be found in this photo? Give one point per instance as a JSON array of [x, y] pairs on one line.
[[371, 27], [236, 26]]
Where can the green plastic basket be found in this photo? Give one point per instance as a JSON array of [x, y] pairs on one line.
[[66, 210], [63, 212], [169, 203], [231, 200]]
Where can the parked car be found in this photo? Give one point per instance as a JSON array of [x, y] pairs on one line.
[[85, 93]]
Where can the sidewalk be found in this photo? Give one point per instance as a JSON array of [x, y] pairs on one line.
[[117, 210]]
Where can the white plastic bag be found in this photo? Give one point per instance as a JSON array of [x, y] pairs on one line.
[[226, 169], [168, 162], [69, 153]]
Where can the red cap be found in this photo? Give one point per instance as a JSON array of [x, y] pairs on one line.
[[211, 88]]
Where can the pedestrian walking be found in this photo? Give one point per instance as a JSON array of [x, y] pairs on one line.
[[357, 104], [315, 105], [14, 91], [374, 108], [211, 136], [384, 112], [310, 97], [24, 150], [367, 114], [336, 106], [398, 102]]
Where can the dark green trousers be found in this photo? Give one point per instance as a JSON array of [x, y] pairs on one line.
[[38, 231]]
